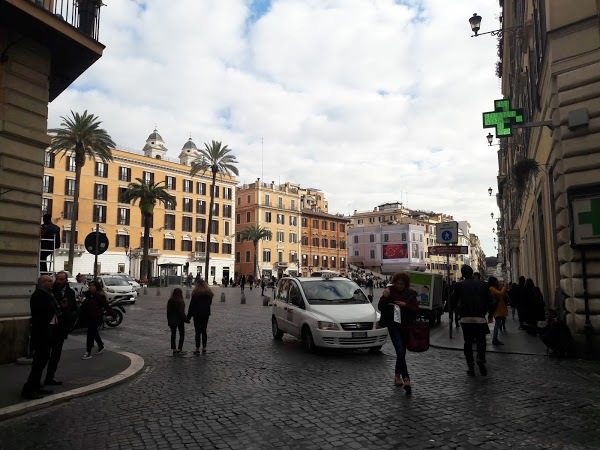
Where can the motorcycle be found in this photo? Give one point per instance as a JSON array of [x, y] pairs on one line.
[[107, 319]]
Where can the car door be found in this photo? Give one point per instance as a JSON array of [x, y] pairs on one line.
[[280, 305], [295, 309]]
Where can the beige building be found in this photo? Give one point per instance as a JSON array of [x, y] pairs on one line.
[[178, 233], [42, 54], [550, 66], [276, 208]]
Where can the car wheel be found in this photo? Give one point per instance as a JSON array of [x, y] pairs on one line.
[[277, 333], [307, 340], [375, 350]]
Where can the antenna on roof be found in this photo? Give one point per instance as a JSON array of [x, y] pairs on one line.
[[262, 160]]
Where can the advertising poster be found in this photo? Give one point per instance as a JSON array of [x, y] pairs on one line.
[[423, 284], [395, 252]]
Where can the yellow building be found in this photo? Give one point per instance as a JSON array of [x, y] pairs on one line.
[[549, 65], [42, 54], [178, 233], [276, 208]]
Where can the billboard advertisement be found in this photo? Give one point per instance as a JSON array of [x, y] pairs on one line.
[[395, 252]]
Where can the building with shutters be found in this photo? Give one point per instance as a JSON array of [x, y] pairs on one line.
[[178, 233]]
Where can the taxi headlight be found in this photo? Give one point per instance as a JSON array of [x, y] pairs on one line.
[[110, 290], [377, 319], [328, 326]]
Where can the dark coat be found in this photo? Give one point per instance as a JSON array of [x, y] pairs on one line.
[[175, 312], [50, 231], [43, 309], [473, 298], [68, 306], [93, 308], [408, 312], [199, 306]]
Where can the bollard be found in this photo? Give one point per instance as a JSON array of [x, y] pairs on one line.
[[157, 291], [265, 300], [145, 290], [187, 293], [243, 302], [223, 297]]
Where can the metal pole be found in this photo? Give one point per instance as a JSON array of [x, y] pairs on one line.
[[97, 245], [450, 312], [588, 329]]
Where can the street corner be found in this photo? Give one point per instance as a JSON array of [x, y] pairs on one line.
[[82, 379]]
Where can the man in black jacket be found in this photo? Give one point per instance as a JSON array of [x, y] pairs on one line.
[[474, 302], [65, 296], [50, 235], [43, 315]]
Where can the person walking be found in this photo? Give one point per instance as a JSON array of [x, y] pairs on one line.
[[242, 282], [43, 314], [398, 305], [520, 301], [176, 318], [92, 309], [263, 284], [65, 298], [474, 302], [50, 240], [536, 308], [500, 308], [199, 310]]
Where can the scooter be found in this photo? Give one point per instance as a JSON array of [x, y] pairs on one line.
[[118, 309]]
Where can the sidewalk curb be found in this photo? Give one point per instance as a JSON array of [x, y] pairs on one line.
[[135, 366]]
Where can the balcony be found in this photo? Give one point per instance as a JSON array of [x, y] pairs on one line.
[[64, 249], [199, 256], [68, 28], [281, 264], [154, 252]]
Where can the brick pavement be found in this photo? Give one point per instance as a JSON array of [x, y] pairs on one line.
[[251, 392]]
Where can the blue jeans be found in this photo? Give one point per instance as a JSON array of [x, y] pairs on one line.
[[398, 341]]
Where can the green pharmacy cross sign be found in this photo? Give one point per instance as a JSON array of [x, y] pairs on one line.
[[503, 118]]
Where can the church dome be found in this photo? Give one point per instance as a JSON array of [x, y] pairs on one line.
[[189, 145], [154, 136]]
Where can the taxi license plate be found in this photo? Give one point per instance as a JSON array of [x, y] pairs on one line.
[[359, 334]]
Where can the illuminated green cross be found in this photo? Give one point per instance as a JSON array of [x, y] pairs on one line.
[[502, 118], [591, 217]]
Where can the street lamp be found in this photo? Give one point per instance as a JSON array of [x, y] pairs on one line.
[[490, 191], [493, 230], [129, 254], [492, 215], [475, 22], [490, 138]]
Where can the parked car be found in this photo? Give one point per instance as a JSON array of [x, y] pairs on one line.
[[326, 312], [117, 288], [129, 279]]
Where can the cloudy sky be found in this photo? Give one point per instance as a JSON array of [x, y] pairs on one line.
[[371, 101]]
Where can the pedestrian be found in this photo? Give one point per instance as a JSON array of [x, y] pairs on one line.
[[198, 278], [251, 281], [511, 298], [43, 314], [92, 311], [500, 308], [176, 318], [474, 301], [535, 308], [399, 294], [454, 314], [520, 301], [242, 282], [263, 284], [370, 286], [50, 240], [65, 298], [199, 310], [190, 280]]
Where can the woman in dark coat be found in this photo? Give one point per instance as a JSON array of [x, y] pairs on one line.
[[200, 310], [399, 294], [176, 319], [93, 308]]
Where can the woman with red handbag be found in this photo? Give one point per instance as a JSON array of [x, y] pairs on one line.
[[399, 307]]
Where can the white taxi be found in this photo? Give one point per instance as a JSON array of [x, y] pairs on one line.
[[327, 312]]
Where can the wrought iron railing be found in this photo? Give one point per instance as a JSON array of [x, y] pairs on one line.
[[82, 14]]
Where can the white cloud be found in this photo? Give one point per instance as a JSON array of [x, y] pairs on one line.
[[369, 100]]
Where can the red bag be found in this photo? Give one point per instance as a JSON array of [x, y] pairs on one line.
[[417, 337]]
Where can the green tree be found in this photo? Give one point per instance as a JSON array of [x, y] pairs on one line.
[[255, 233], [216, 159], [148, 195], [80, 137]]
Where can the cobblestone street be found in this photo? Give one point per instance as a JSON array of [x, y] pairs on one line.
[[251, 392]]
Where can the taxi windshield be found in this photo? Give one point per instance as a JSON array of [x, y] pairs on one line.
[[327, 292]]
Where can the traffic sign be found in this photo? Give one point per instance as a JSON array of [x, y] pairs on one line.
[[503, 118], [447, 232], [448, 250], [90, 243]]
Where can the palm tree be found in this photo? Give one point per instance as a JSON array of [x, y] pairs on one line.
[[80, 137], [148, 194], [255, 233], [216, 159]]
